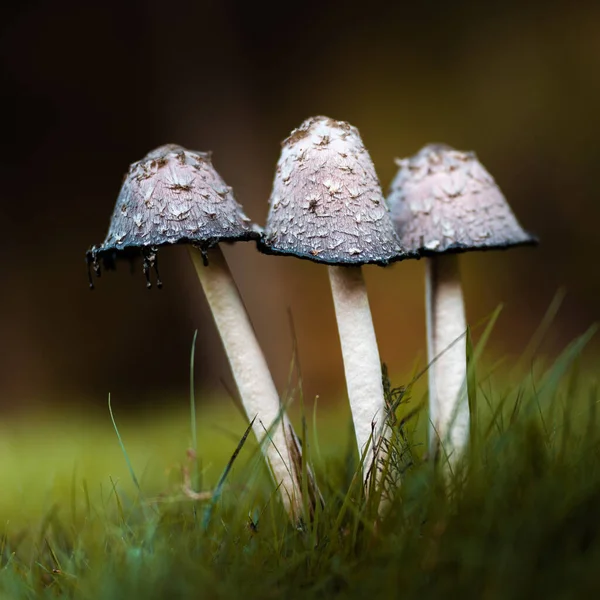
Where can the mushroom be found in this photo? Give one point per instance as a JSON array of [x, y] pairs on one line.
[[327, 206], [444, 202], [175, 196]]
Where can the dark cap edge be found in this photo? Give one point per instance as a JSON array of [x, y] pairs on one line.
[[109, 255], [264, 248], [458, 248]]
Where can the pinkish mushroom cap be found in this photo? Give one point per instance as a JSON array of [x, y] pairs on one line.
[[171, 196], [443, 200], [326, 204]]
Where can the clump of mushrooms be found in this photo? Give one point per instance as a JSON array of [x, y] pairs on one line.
[[175, 196], [327, 206], [444, 202]]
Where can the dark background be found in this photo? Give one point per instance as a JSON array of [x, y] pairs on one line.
[[90, 87]]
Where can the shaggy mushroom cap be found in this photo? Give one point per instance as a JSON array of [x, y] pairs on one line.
[[326, 204], [171, 196], [443, 200]]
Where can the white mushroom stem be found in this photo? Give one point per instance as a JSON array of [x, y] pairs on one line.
[[252, 376], [361, 360], [446, 351]]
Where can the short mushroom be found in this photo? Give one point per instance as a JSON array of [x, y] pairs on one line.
[[175, 196], [327, 206], [444, 202]]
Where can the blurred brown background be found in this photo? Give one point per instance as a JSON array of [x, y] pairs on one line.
[[91, 87]]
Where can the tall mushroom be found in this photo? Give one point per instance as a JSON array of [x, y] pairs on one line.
[[444, 202], [327, 206], [175, 196]]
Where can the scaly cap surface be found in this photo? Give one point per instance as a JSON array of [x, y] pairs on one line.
[[171, 196], [443, 200], [326, 204]]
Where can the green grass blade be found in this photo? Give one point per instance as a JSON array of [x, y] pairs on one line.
[[193, 424], [591, 431], [315, 431], [540, 333], [219, 488], [554, 375], [472, 393], [123, 450], [485, 336]]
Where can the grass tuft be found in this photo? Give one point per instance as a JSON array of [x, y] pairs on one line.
[[517, 518]]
